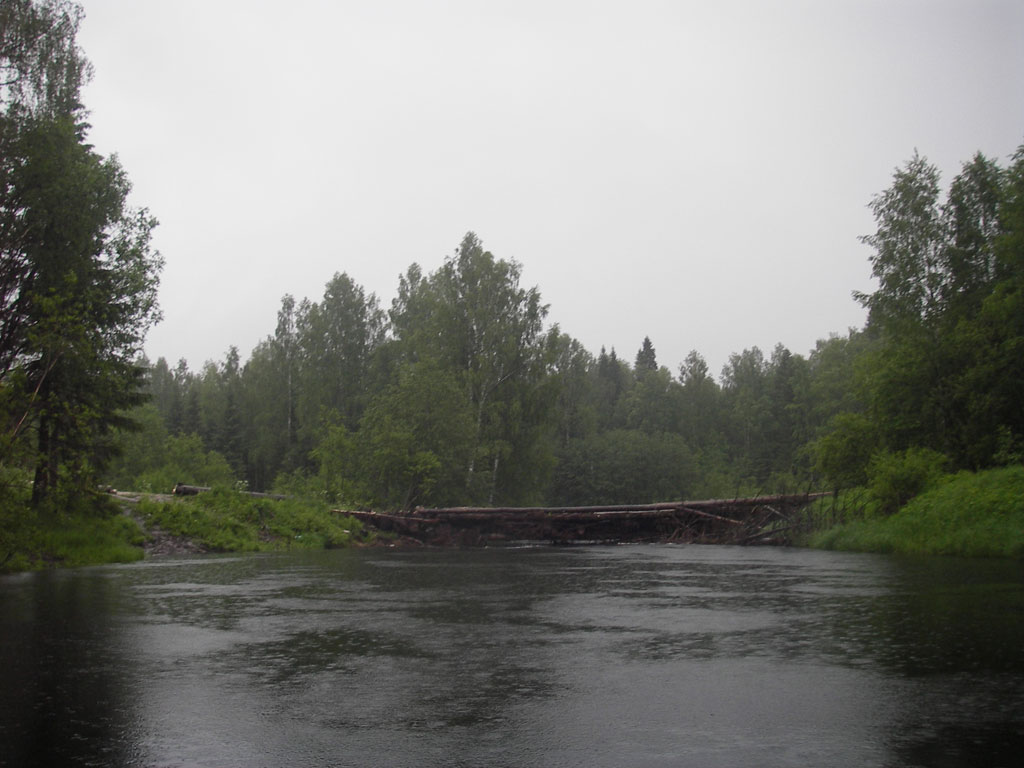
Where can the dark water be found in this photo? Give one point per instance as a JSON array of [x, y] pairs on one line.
[[624, 656]]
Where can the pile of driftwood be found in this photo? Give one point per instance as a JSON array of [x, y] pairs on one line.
[[763, 519]]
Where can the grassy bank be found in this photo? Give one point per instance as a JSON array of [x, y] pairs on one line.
[[69, 541], [967, 514], [228, 521], [105, 531]]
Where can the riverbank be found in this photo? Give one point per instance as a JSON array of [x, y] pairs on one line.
[[223, 520], [125, 527], [967, 514]]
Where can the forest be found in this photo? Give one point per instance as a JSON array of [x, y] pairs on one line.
[[457, 391]]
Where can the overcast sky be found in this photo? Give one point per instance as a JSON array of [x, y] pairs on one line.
[[696, 172]]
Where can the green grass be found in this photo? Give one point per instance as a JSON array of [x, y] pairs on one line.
[[90, 541], [72, 540], [96, 531], [968, 514], [227, 521]]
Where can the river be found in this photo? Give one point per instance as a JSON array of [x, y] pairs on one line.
[[602, 656]]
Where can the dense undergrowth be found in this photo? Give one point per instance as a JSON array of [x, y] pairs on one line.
[[966, 514], [87, 529]]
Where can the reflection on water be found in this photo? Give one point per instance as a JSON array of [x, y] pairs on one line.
[[640, 655]]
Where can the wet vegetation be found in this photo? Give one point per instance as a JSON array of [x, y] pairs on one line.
[[228, 521], [967, 514], [458, 392]]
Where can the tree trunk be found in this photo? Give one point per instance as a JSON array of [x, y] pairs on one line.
[[46, 462]]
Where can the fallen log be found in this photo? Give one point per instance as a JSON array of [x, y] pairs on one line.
[[661, 506], [181, 489], [711, 520], [699, 513]]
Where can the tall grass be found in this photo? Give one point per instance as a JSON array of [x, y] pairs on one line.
[[81, 540]]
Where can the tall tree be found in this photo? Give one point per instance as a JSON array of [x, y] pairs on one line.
[[907, 249], [41, 72], [944, 330], [612, 382], [699, 402], [336, 339], [414, 439], [472, 317], [41, 65], [971, 222], [574, 410], [77, 272], [87, 299], [646, 359]]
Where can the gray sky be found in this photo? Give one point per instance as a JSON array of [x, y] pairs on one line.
[[697, 172]]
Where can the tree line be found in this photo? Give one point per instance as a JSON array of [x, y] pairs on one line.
[[459, 394]]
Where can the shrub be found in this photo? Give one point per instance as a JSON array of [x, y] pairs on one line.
[[896, 478], [843, 454]]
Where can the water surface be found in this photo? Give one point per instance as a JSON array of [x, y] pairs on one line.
[[610, 656]]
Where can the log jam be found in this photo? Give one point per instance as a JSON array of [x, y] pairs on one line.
[[761, 519]]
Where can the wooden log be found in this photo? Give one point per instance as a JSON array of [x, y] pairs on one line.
[[711, 516], [735, 520], [180, 489], [752, 501]]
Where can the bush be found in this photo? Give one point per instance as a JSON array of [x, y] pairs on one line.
[[896, 478], [186, 461], [843, 454]]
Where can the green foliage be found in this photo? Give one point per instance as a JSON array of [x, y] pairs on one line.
[[69, 531], [948, 319], [646, 359], [143, 449], [612, 381], [337, 337], [764, 406], [624, 466], [460, 396], [338, 477], [835, 376], [41, 67], [90, 540], [414, 440], [474, 320], [186, 461], [652, 402], [1010, 447], [78, 275], [842, 454], [575, 408], [227, 521], [971, 515], [907, 246], [896, 478], [18, 520], [154, 462]]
